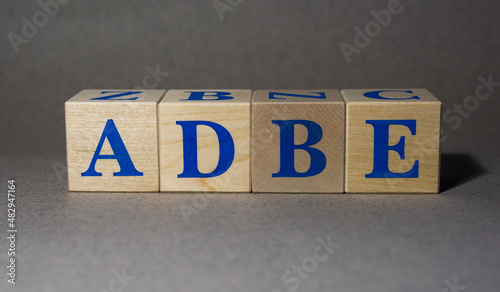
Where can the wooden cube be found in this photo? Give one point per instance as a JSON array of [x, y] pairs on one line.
[[298, 141], [392, 141], [205, 141], [112, 140]]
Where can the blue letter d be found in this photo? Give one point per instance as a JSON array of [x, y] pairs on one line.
[[226, 149]]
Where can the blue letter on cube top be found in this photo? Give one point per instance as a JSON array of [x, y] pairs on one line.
[[272, 95], [376, 95], [118, 94], [198, 95]]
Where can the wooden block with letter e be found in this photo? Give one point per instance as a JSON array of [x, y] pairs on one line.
[[392, 140], [112, 140], [298, 141], [205, 141]]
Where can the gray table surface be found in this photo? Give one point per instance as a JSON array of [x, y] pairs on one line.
[[250, 242]]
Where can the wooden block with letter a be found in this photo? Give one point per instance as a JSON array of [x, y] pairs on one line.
[[298, 141], [205, 141], [392, 141], [112, 140]]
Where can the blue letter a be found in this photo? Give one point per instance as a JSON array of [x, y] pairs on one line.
[[381, 149], [190, 148], [287, 148], [127, 167]]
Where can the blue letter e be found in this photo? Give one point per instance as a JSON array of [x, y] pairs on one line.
[[127, 167], [288, 146], [190, 148], [381, 149]]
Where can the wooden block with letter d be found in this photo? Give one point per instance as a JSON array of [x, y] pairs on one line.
[[112, 140], [298, 141], [205, 141], [392, 141]]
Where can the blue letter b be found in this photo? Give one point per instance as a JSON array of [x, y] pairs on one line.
[[288, 147], [214, 95]]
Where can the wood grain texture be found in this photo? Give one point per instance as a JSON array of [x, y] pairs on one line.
[[329, 113], [423, 146], [136, 123], [233, 115]]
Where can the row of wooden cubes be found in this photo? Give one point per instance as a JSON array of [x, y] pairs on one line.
[[306, 141]]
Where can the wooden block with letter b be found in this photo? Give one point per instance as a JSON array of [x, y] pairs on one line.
[[298, 141], [205, 141], [112, 140], [392, 141]]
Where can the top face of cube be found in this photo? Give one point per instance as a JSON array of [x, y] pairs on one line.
[[298, 96], [117, 96], [208, 96], [388, 95]]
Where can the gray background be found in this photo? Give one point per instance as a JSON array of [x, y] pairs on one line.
[[245, 242]]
